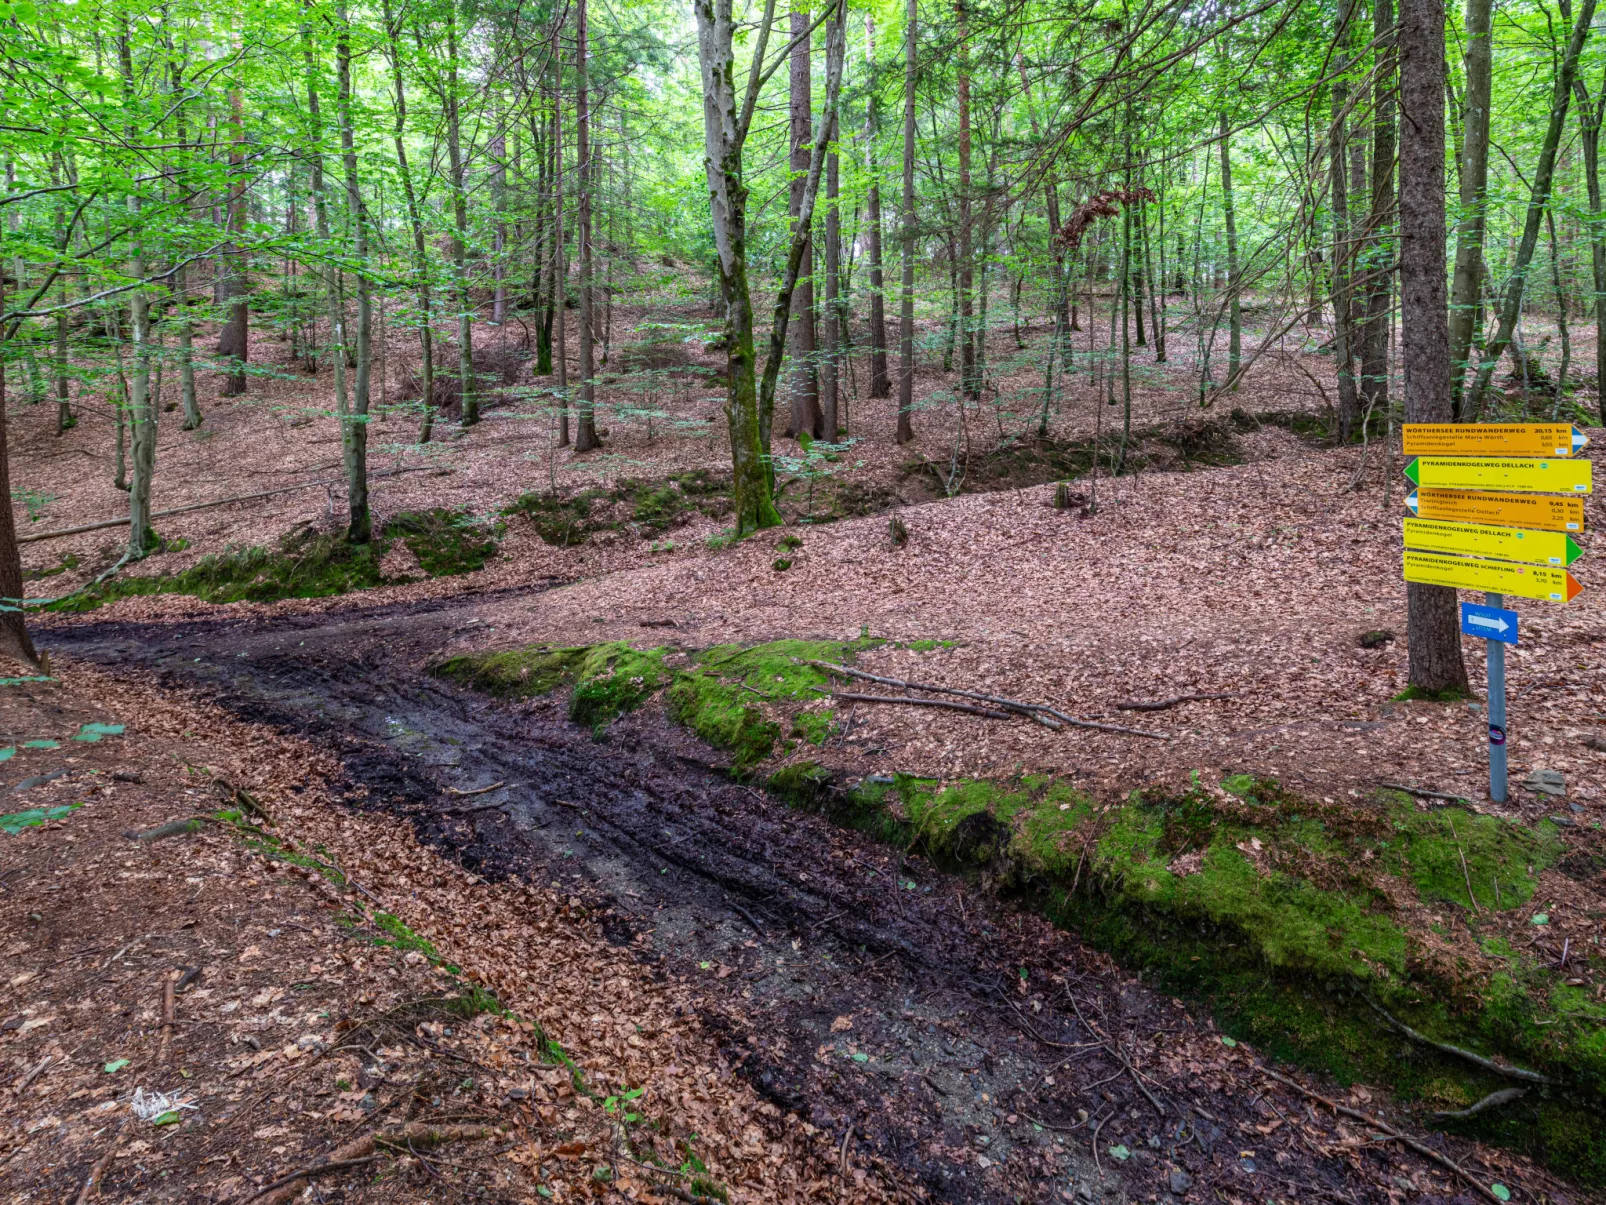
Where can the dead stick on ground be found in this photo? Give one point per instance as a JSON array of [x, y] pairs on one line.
[[1426, 1152], [1465, 873], [912, 702], [1162, 704], [169, 1009], [495, 786], [483, 807], [1425, 794], [38, 1068], [179, 510], [1041, 712], [287, 1188], [97, 1173]]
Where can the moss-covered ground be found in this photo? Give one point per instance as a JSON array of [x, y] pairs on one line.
[[1298, 922], [650, 507], [309, 564]]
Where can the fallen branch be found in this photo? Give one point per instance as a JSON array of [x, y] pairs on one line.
[[1519, 1073], [179, 510], [968, 708], [97, 1173], [1426, 1152], [495, 786], [169, 1015], [1493, 1101], [1422, 792], [365, 1150], [1162, 704], [479, 807], [38, 1069], [1040, 712]]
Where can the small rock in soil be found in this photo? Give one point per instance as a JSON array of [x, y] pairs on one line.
[[1181, 1181], [1546, 782]]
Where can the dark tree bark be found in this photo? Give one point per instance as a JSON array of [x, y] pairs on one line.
[[1434, 636], [880, 381], [13, 631], [906, 334], [805, 414], [586, 429], [1349, 407], [234, 339], [1466, 289], [1377, 265]]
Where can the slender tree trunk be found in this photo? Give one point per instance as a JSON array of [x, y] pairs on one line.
[[1377, 264], [426, 333], [830, 363], [1235, 322], [1466, 310], [586, 432], [334, 295], [1434, 636], [1562, 329], [906, 300], [470, 412], [234, 340], [1590, 113], [354, 433], [14, 637], [1538, 201], [880, 380], [560, 258], [1349, 406], [966, 263], [142, 413], [805, 415], [181, 286]]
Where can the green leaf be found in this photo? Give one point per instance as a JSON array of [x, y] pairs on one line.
[[1501, 1191], [1226, 1041], [17, 821], [1541, 918], [93, 732], [8, 753], [41, 744], [1120, 1152], [861, 1058], [171, 1117], [115, 1065]]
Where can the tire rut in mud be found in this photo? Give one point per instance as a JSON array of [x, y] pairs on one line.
[[855, 985]]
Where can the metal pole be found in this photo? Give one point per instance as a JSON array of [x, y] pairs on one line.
[[1497, 710]]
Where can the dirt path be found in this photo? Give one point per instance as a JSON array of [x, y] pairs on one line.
[[984, 1053]]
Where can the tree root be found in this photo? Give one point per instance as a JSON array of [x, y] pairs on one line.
[[1477, 1060], [361, 1151], [1493, 1101]]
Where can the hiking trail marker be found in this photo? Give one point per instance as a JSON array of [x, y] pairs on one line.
[[1482, 521]]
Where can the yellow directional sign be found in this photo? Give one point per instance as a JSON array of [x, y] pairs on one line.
[[1501, 473], [1519, 510], [1496, 577], [1493, 439], [1479, 539]]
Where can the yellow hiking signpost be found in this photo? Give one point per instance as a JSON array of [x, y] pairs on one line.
[[1481, 522], [1493, 439], [1485, 506], [1501, 473], [1478, 539]]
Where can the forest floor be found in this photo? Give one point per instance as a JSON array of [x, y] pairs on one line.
[[932, 1040]]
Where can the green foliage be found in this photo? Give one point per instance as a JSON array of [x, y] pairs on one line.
[[565, 520], [446, 542], [15, 822], [521, 673], [614, 679]]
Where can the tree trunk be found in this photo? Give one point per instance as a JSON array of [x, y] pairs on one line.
[[966, 264], [1466, 310], [586, 430], [1235, 323], [560, 257], [805, 385], [333, 291], [1538, 201], [880, 381], [1378, 262], [830, 362], [235, 337], [906, 300], [354, 427], [1590, 113], [1434, 637], [426, 335], [1349, 406], [13, 630], [470, 408]]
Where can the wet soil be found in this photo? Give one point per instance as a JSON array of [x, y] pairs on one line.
[[988, 1055]]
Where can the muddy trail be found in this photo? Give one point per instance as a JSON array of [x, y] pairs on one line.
[[974, 1048]]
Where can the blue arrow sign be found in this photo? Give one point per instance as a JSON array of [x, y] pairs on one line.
[[1491, 623], [1410, 501], [1580, 441]]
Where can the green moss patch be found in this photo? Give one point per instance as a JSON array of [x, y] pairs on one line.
[[646, 507], [309, 564], [522, 673], [1289, 917], [613, 679]]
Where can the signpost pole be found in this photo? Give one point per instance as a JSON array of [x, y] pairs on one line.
[[1497, 710]]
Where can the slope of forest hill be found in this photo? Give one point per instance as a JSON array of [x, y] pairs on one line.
[[660, 405]]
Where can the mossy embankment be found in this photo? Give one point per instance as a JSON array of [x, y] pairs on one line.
[[310, 564], [1300, 923]]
